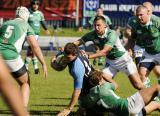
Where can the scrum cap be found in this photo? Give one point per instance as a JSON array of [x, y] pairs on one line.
[[22, 12]]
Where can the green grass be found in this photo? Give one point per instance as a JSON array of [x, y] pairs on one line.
[[49, 96], [66, 32]]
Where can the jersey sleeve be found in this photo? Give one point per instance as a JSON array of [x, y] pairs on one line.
[[112, 86], [87, 37], [131, 22], [42, 17], [112, 36], [78, 75]]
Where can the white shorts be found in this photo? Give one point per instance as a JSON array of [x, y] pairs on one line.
[[15, 64], [151, 58], [36, 36], [138, 51], [124, 64], [135, 104]]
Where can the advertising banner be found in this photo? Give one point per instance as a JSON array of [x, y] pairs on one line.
[[52, 9]]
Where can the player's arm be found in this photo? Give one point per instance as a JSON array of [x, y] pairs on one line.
[[131, 42], [103, 52], [112, 38], [78, 74], [36, 49], [127, 32], [45, 27]]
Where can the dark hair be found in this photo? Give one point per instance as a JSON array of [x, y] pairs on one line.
[[95, 76], [71, 48], [35, 2], [100, 18]]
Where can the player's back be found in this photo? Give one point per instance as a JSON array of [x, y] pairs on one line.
[[13, 30], [12, 37]]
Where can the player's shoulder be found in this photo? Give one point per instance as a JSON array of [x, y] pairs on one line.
[[111, 32], [155, 18]]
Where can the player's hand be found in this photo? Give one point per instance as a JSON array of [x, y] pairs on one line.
[[45, 71], [65, 112], [53, 59]]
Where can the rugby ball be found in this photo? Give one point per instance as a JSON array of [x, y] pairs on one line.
[[60, 63]]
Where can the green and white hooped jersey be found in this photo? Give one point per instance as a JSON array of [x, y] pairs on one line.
[[104, 95], [109, 38], [12, 37], [35, 19], [148, 35]]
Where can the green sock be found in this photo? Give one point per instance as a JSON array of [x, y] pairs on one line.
[[27, 61], [35, 63]]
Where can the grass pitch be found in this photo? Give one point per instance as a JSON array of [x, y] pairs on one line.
[[49, 96]]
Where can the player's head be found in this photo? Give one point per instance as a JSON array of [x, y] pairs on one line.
[[142, 14], [71, 51], [22, 12], [99, 12], [149, 6], [100, 25], [35, 4], [96, 77]]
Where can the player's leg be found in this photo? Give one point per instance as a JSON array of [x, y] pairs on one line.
[[24, 83], [144, 70], [131, 71], [35, 64], [19, 72], [139, 100], [152, 106], [109, 72], [28, 58], [150, 93], [11, 92], [35, 60]]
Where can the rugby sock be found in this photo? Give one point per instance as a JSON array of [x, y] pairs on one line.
[[27, 61], [35, 63], [147, 82]]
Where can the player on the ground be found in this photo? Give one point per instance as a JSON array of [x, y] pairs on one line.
[[35, 20], [102, 94], [79, 68], [12, 36]]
